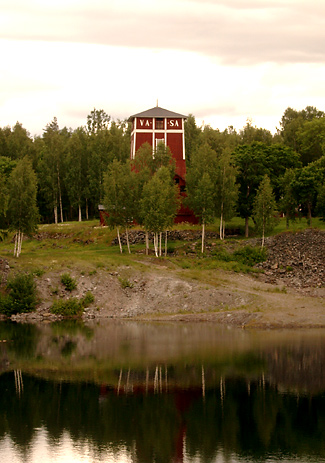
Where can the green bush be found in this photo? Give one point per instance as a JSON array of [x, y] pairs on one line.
[[221, 254], [247, 255], [5, 304], [125, 283], [20, 296], [69, 283], [68, 308], [250, 256], [88, 299]]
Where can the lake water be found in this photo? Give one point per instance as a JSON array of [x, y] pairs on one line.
[[127, 392]]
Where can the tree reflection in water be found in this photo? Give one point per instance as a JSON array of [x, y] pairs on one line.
[[262, 403]]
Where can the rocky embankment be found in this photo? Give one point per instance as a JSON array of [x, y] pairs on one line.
[[289, 292], [296, 259]]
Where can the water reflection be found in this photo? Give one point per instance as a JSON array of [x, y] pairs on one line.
[[161, 393]]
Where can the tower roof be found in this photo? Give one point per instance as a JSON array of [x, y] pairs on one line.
[[157, 112]]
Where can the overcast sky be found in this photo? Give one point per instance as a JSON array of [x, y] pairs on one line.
[[222, 60]]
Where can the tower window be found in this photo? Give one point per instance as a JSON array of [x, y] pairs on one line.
[[159, 124]]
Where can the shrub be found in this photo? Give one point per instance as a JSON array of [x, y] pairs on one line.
[[125, 283], [21, 295], [221, 254], [250, 256], [88, 299], [38, 272], [68, 282], [5, 304], [68, 308]]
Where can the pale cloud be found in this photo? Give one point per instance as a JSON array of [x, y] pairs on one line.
[[233, 32], [221, 60]]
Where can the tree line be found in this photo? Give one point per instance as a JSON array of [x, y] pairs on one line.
[[65, 174]]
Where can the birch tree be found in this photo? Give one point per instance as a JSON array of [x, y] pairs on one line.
[[159, 205], [146, 163], [52, 166], [264, 208], [119, 192], [76, 171], [22, 208], [200, 186], [226, 191]]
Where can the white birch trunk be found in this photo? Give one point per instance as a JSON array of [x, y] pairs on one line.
[[15, 247], [221, 225], [166, 243], [147, 243], [203, 233], [79, 218], [20, 243], [61, 210], [56, 214], [263, 235], [119, 239], [160, 237], [127, 239], [155, 242]]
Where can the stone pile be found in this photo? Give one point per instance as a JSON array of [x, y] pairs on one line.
[[296, 259], [138, 237]]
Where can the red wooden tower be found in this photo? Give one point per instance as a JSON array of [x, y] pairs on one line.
[[159, 125]]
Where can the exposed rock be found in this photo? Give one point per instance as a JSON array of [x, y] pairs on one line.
[[136, 236], [296, 259]]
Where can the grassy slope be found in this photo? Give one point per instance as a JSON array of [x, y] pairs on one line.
[[87, 246]]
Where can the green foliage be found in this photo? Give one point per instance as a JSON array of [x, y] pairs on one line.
[[22, 208], [288, 202], [119, 194], [306, 184], [311, 139], [76, 169], [72, 307], [69, 283], [264, 208], [20, 296], [246, 255], [221, 254], [250, 255], [68, 308], [38, 272], [192, 137], [5, 304], [293, 123], [88, 299], [200, 183], [321, 202], [159, 201], [125, 283], [254, 162]]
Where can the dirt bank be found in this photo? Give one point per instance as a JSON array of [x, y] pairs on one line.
[[290, 292]]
